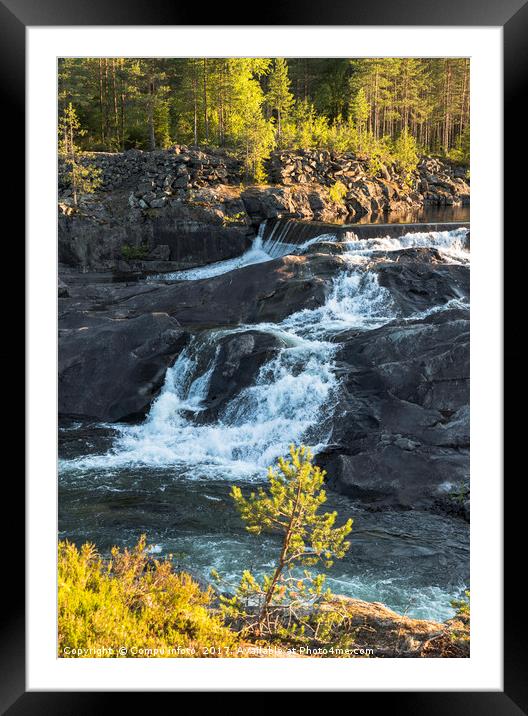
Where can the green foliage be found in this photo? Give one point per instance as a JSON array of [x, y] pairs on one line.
[[460, 153], [378, 152], [253, 104], [337, 192], [462, 605], [134, 253], [82, 177], [238, 218], [406, 155], [288, 598], [279, 98], [463, 614], [135, 602]]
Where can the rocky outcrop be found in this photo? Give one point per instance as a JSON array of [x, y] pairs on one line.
[[390, 635], [112, 237], [185, 206], [416, 284], [400, 437], [239, 358], [111, 369], [256, 293], [438, 182]]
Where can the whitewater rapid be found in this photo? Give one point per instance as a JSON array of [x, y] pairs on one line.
[[293, 395]]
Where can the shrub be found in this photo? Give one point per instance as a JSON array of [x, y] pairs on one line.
[[337, 192], [462, 606], [133, 601], [463, 616], [238, 218], [134, 253], [406, 155]]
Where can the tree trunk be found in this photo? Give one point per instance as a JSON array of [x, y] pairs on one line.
[[206, 120], [73, 167], [150, 109], [101, 102]]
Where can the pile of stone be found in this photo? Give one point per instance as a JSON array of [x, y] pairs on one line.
[[152, 176], [315, 166], [439, 181]]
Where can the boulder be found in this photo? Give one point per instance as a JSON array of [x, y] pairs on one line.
[[419, 285], [111, 369], [265, 203], [238, 360], [158, 203]]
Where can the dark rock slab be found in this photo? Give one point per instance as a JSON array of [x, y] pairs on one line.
[[401, 432], [238, 360], [419, 285], [252, 294], [111, 369]]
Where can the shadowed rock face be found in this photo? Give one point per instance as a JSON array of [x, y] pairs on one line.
[[181, 237], [260, 292], [239, 358], [111, 369], [401, 435]]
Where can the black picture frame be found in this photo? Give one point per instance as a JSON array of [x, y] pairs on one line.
[[512, 16]]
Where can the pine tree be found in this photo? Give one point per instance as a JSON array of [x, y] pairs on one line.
[[290, 508], [360, 112], [83, 178], [406, 154], [279, 97], [233, 102]]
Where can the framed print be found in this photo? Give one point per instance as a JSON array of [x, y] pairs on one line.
[[260, 396]]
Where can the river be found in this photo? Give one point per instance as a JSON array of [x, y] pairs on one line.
[[170, 475]]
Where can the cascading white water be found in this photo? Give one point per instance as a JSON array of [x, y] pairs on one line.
[[282, 406], [450, 243], [260, 251], [291, 393]]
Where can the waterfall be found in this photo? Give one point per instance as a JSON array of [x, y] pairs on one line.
[[293, 395], [268, 244], [282, 238], [284, 405]]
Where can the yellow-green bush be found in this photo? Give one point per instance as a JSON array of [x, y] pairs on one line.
[[133, 603], [337, 192]]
